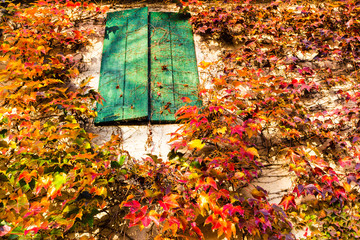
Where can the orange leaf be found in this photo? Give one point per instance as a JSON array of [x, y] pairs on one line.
[[186, 99], [242, 73], [204, 65], [27, 176], [219, 81], [211, 182]]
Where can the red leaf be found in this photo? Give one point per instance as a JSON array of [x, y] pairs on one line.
[[340, 191], [70, 4], [134, 205], [146, 221], [288, 201], [196, 229], [169, 202]]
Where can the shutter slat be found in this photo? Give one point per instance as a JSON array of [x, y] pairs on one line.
[[124, 67], [162, 82], [185, 69], [136, 94]]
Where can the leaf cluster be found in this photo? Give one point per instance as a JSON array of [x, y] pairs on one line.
[[286, 94], [54, 180]]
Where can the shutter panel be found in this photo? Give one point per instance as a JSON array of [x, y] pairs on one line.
[[173, 65], [124, 67]]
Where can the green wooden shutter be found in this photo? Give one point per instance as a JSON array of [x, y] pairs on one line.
[[124, 67], [173, 65], [132, 38]]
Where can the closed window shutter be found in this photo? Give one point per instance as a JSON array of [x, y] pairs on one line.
[[144, 49], [173, 65], [124, 67]]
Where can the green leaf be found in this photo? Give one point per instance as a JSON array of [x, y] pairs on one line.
[[59, 180], [115, 164], [195, 164], [4, 120], [12, 236], [122, 160], [2, 133], [87, 145], [79, 141]]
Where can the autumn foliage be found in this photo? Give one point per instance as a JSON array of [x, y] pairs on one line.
[[53, 179], [286, 93]]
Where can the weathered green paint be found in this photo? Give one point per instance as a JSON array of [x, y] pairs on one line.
[[132, 39], [161, 74], [173, 65], [124, 67]]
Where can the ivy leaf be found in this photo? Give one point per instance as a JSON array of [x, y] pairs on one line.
[[258, 193], [59, 180], [169, 202], [115, 164], [3, 132], [253, 151], [87, 145], [204, 64], [122, 160], [287, 201], [196, 230], [197, 143], [27, 176], [211, 182]]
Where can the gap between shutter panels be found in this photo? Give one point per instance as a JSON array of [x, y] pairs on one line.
[[170, 57]]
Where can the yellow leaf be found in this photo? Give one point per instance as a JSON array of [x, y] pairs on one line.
[[221, 130], [193, 176], [253, 151], [203, 201], [347, 187], [41, 49], [12, 144], [196, 144], [239, 175]]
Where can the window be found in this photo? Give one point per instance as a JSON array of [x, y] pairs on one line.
[[148, 65]]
